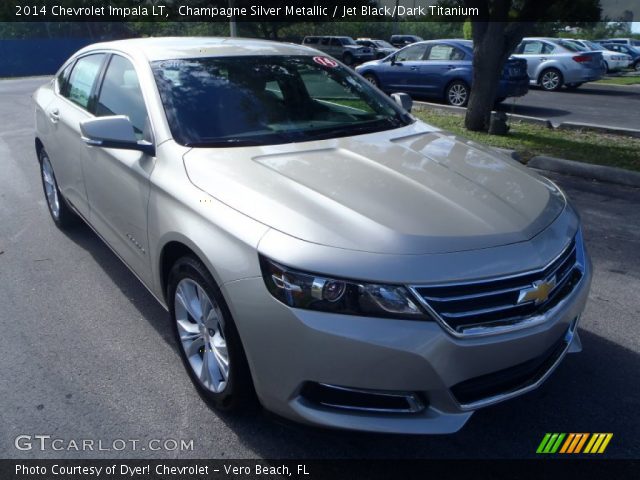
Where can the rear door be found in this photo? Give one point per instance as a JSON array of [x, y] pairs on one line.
[[118, 180], [443, 62], [533, 51], [67, 151]]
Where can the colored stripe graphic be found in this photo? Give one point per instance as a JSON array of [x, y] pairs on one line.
[[543, 443], [581, 442], [607, 439], [567, 443], [574, 442]]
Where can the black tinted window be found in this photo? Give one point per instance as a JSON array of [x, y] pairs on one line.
[[121, 94], [82, 78], [63, 80]]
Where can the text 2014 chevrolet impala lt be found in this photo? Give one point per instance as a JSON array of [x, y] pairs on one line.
[[311, 240]]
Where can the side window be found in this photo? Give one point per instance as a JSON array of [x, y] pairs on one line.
[[413, 53], [311, 40], [121, 95], [82, 78], [325, 41], [336, 42], [445, 52], [547, 48], [532, 48]]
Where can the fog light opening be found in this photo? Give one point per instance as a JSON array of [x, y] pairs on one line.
[[335, 396]]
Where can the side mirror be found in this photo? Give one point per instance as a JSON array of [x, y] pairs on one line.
[[403, 100], [114, 132]]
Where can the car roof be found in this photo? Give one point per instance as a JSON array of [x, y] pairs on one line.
[[167, 48]]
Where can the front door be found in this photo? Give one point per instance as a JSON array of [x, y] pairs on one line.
[[118, 180]]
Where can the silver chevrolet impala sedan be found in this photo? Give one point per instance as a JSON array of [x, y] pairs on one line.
[[316, 246]]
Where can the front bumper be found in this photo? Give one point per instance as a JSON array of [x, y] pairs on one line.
[[287, 348]]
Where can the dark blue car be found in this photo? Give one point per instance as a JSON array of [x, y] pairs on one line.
[[442, 69]]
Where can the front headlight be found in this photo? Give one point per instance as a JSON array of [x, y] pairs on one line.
[[318, 292]]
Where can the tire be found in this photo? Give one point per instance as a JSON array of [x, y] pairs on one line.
[[606, 67], [573, 86], [457, 93], [212, 341], [636, 66], [551, 80], [347, 58], [372, 79], [60, 212]]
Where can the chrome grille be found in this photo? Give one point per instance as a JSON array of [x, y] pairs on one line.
[[480, 307]]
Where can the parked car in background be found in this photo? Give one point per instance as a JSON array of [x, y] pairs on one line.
[[342, 48], [442, 69], [631, 42], [381, 48], [612, 61], [312, 242], [400, 41], [553, 63], [633, 52]]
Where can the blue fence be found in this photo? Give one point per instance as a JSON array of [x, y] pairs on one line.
[[19, 58]]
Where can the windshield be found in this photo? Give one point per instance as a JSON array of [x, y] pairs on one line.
[[347, 41], [262, 100], [383, 44]]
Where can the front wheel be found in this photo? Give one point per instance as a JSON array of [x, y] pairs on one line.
[[636, 66], [60, 212], [347, 58], [551, 80], [457, 94], [207, 337]]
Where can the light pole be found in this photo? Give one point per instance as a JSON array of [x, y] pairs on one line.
[[233, 27]]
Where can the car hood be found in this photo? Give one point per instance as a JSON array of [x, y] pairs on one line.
[[413, 190]]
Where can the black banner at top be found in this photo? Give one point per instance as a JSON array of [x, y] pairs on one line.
[[317, 10]]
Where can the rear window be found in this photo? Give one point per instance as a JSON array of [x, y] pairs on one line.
[[572, 47]]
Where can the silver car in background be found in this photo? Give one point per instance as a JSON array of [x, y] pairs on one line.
[[553, 63], [342, 48], [613, 61], [315, 245]]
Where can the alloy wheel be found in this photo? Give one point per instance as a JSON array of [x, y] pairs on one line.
[[457, 95], [50, 187], [550, 80], [200, 325]]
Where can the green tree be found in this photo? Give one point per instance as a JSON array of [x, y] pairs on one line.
[[467, 30]]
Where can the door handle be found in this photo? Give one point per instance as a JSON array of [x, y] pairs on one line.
[[543, 59], [450, 67], [414, 68], [54, 115]]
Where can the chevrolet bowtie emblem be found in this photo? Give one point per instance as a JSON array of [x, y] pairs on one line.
[[538, 292]]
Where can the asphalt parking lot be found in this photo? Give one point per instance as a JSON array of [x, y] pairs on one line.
[[609, 105], [86, 352]]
